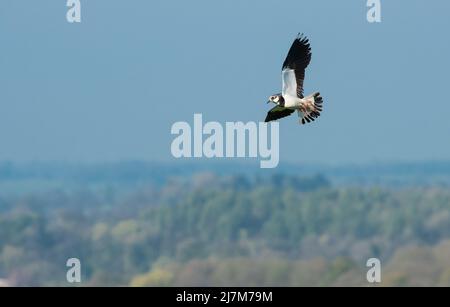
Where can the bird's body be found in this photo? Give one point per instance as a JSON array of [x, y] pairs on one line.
[[291, 98]]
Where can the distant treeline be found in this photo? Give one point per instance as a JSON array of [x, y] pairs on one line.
[[227, 230], [385, 174]]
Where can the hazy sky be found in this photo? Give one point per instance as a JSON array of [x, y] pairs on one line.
[[111, 87]]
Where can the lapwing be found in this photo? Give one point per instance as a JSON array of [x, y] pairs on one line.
[[291, 98]]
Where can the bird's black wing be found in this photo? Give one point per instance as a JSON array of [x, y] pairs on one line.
[[278, 112], [298, 58]]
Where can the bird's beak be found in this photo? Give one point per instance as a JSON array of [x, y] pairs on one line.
[[269, 102]]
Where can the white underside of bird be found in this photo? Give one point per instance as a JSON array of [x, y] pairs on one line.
[[303, 106], [289, 93]]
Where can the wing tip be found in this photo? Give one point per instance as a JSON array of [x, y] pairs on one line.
[[302, 38], [300, 51]]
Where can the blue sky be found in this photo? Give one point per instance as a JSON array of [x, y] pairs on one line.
[[110, 88]]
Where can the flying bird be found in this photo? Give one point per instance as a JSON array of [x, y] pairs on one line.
[[291, 98]]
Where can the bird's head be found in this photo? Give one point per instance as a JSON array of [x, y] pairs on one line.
[[276, 99]]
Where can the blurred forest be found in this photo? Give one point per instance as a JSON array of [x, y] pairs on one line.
[[155, 226]]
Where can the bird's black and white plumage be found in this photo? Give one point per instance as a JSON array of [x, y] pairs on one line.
[[291, 98]]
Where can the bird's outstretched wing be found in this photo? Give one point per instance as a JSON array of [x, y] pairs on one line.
[[278, 112], [293, 71]]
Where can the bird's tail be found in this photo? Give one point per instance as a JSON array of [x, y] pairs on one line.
[[312, 108]]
